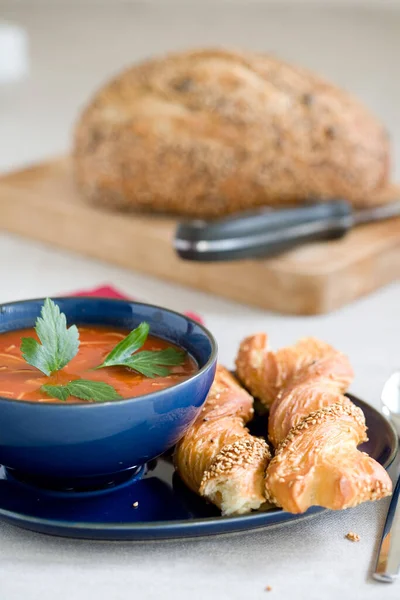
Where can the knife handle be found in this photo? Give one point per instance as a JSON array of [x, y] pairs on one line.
[[262, 233], [388, 563]]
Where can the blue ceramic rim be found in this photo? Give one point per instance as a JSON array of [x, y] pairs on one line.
[[190, 528], [181, 384], [172, 529]]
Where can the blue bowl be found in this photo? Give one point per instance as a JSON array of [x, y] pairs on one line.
[[84, 445]]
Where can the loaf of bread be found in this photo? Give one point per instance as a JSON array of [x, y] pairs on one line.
[[212, 132]]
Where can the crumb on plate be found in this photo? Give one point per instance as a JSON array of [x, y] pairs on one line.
[[268, 588], [353, 537]]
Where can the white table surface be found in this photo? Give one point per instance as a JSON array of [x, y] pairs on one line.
[[72, 51]]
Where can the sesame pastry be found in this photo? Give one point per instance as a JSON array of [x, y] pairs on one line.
[[315, 428], [320, 384], [218, 458], [318, 463], [264, 372]]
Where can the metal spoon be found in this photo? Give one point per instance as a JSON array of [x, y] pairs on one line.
[[388, 563]]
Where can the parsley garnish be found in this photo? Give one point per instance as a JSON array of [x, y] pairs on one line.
[[83, 389], [150, 363], [126, 347], [58, 343], [155, 363]]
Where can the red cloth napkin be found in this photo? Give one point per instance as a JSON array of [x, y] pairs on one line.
[[108, 291]]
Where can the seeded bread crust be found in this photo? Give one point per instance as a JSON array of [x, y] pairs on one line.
[[211, 132]]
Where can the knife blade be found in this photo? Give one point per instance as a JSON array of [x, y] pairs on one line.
[[269, 232]]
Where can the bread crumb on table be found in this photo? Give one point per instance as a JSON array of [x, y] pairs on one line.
[[268, 588], [353, 537]]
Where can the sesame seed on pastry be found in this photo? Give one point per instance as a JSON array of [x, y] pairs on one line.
[[218, 458], [315, 428], [318, 463], [235, 479]]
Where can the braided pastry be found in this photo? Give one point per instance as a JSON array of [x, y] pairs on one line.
[[318, 385], [318, 463], [218, 458], [264, 372], [315, 427]]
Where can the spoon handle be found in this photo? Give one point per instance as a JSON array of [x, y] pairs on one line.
[[388, 563]]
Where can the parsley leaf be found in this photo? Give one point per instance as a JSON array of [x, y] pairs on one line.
[[56, 391], [122, 351], [150, 363], [83, 389], [58, 343], [155, 363]]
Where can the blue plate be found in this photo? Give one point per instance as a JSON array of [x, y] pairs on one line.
[[153, 503]]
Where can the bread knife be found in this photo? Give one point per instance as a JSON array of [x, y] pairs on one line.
[[269, 232]]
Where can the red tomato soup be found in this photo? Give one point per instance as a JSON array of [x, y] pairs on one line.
[[21, 381]]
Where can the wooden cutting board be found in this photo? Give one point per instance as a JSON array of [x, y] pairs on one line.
[[41, 203]]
